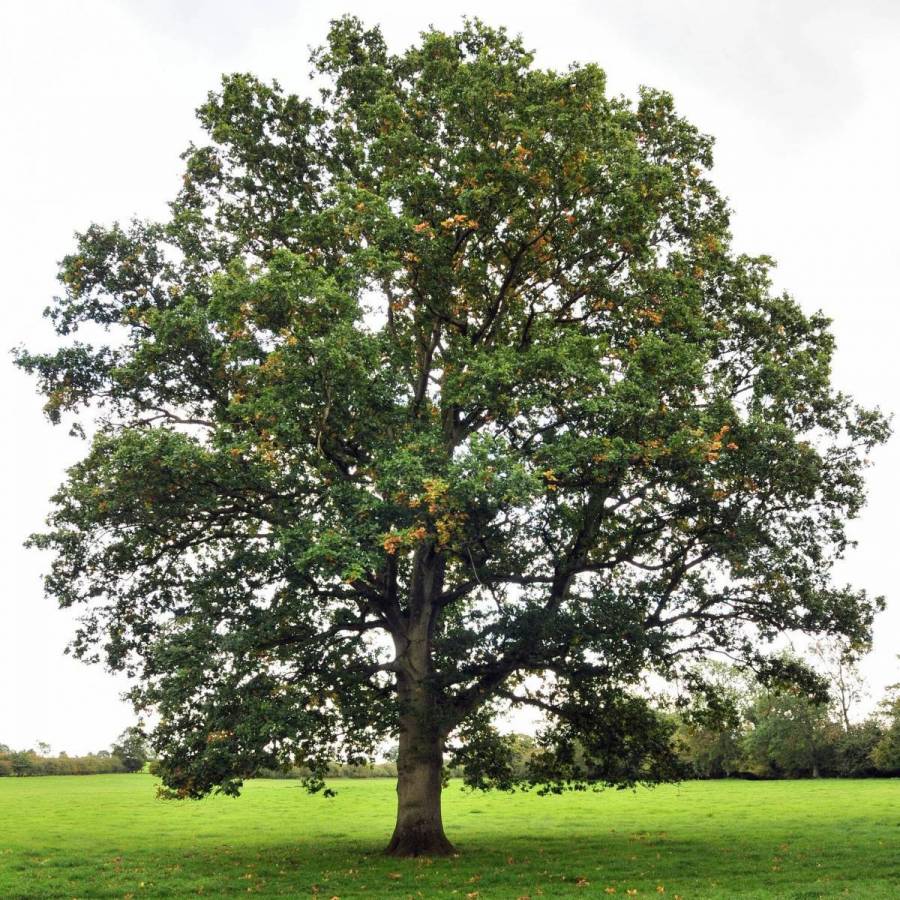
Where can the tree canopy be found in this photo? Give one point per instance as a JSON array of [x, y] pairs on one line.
[[446, 378], [131, 748]]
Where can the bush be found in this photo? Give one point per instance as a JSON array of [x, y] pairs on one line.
[[886, 753], [853, 750]]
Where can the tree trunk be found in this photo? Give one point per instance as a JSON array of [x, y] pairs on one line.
[[419, 830]]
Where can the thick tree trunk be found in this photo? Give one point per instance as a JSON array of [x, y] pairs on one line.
[[419, 830]]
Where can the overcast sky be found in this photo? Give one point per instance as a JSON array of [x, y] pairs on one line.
[[97, 101]]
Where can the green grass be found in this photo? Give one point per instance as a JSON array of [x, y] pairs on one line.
[[108, 836]]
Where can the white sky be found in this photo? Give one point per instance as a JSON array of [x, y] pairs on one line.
[[97, 101]]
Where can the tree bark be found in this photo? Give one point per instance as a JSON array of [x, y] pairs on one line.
[[419, 830]]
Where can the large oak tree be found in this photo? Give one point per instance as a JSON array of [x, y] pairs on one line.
[[440, 393]]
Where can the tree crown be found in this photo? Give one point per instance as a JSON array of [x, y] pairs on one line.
[[458, 354]]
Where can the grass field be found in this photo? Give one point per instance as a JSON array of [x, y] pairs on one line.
[[107, 836]]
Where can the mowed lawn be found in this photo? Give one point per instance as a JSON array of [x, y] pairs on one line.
[[108, 836]]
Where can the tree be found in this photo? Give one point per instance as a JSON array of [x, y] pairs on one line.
[[709, 729], [854, 749], [791, 734], [443, 379], [23, 763], [839, 663], [886, 753], [131, 748]]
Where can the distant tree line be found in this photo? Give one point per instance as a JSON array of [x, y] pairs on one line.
[[749, 732], [792, 734], [386, 769], [754, 733], [733, 728], [128, 754]]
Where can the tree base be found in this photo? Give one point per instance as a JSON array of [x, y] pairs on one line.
[[411, 842]]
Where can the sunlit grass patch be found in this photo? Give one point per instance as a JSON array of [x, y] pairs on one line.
[[108, 836]]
